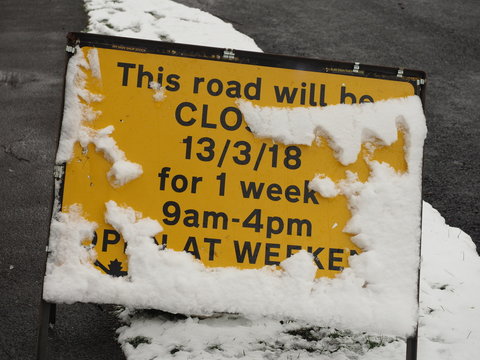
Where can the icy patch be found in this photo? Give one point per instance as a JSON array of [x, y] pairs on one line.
[[163, 20], [77, 111]]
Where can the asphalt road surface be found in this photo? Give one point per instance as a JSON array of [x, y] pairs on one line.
[[32, 61], [437, 36]]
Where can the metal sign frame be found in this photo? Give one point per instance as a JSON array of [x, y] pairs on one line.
[[415, 77]]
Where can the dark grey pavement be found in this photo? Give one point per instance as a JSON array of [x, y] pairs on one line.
[[32, 58], [437, 36]]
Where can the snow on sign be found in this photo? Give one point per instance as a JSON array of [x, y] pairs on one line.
[[184, 167]]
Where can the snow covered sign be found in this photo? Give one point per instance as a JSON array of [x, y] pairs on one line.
[[216, 179]]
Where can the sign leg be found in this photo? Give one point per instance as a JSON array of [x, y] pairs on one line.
[[53, 315], [412, 347], [47, 317]]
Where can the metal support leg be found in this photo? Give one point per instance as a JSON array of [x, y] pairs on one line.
[[53, 315], [46, 317], [412, 347]]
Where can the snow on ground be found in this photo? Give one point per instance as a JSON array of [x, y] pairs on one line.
[[450, 287], [450, 291], [163, 20], [237, 337]]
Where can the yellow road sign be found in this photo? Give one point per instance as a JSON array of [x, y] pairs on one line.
[[219, 192]]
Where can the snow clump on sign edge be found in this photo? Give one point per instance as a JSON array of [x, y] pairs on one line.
[[77, 114], [346, 129], [324, 186]]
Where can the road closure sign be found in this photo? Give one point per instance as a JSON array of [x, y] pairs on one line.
[[220, 193]]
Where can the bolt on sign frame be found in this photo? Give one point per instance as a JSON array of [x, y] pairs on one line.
[[206, 150]]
